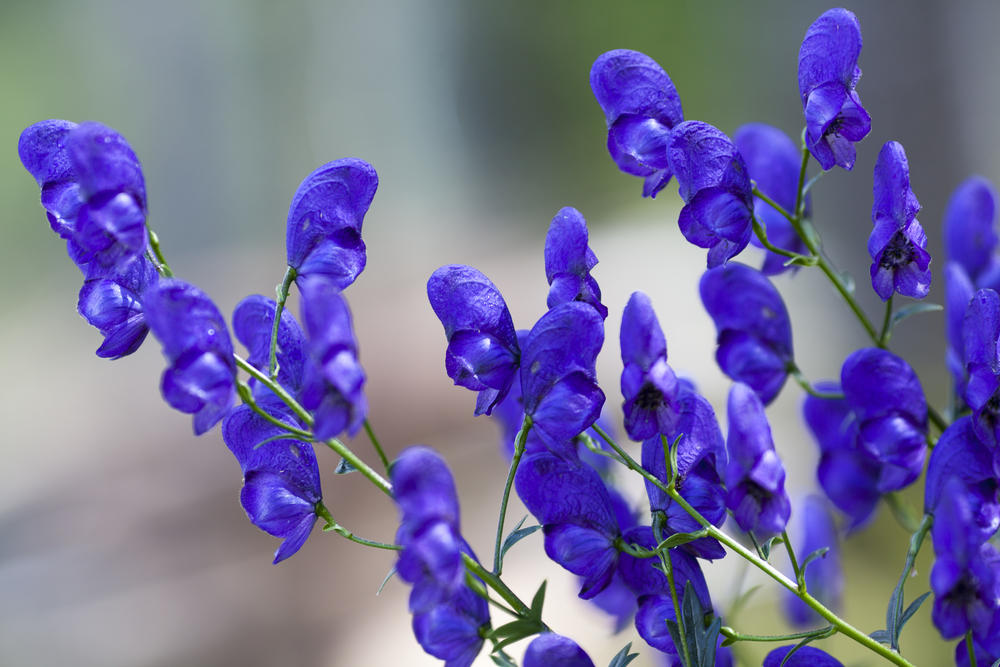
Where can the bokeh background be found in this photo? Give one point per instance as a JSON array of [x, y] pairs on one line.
[[122, 541]]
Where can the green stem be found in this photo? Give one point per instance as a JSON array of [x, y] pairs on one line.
[[324, 514], [278, 390], [807, 386], [627, 460], [883, 338], [522, 438], [282, 294], [916, 541], [800, 576], [668, 568], [762, 236], [800, 191], [479, 588], [936, 418], [383, 485], [818, 633], [773, 204], [247, 396], [838, 283], [494, 582], [157, 255], [376, 445], [970, 648]]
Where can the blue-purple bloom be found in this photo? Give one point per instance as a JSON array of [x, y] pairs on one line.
[[451, 631], [755, 476], [824, 575], [968, 229], [712, 180], [774, 162], [332, 377], [201, 376], [253, 324], [897, 245], [568, 261], [111, 304], [648, 383], [828, 73], [958, 292], [754, 331], [483, 352], [551, 650], [980, 334], [804, 656], [641, 106], [323, 235], [281, 484]]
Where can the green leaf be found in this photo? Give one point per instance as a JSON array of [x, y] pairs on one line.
[[344, 467], [388, 576], [623, 657], [677, 539], [502, 659], [802, 260], [537, 602], [911, 310], [822, 634], [910, 611], [819, 553], [516, 536], [765, 549], [515, 631], [881, 636]]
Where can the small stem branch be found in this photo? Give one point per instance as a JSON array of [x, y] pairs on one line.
[[375, 443], [883, 338], [157, 255], [332, 525], [627, 460], [800, 191], [807, 386], [279, 306], [519, 444], [818, 633], [381, 483], [668, 568], [773, 204], [800, 576], [247, 396], [916, 541], [970, 647], [494, 582], [936, 418], [278, 390]]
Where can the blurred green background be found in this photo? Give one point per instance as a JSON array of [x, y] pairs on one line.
[[122, 541]]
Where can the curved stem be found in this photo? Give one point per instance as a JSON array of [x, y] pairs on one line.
[[376, 445], [279, 306], [381, 483], [494, 582], [332, 525], [519, 444], [247, 397], [735, 636], [883, 338], [807, 386], [800, 576], [800, 191], [668, 568], [278, 390]]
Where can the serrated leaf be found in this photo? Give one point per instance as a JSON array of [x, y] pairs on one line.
[[910, 611], [911, 310], [881, 636], [516, 536], [388, 576], [538, 601], [623, 657], [344, 467]]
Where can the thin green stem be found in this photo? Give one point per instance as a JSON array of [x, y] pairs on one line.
[[838, 283], [883, 338], [807, 386], [773, 204], [494, 582], [800, 191], [970, 648], [375, 443], [936, 418], [668, 568], [278, 390], [282, 294], [383, 485], [800, 576], [522, 438], [246, 395], [627, 460], [157, 255], [916, 541], [332, 525], [818, 633], [762, 236], [479, 588]]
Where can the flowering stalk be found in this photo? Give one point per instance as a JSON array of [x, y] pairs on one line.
[[522, 438], [282, 294]]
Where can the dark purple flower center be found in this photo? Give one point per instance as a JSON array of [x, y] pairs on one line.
[[898, 252], [649, 397], [756, 491], [965, 591]]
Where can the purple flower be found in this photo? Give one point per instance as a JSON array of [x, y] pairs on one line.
[[824, 576], [558, 378], [641, 106], [281, 484], [324, 221], [958, 290], [648, 384], [451, 631], [253, 324], [483, 352], [755, 476], [568, 261], [969, 236], [805, 656], [980, 334], [111, 304], [552, 650], [897, 244], [754, 332], [201, 376], [333, 380], [773, 161], [828, 73], [713, 182]]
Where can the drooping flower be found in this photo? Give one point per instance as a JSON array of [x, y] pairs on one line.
[[641, 105], [754, 331], [323, 235], [980, 334], [897, 245], [804, 656], [773, 161], [201, 376], [552, 650], [828, 73], [968, 229], [332, 377], [112, 305], [281, 484], [824, 575], [648, 383], [712, 180], [483, 352], [451, 631], [958, 292], [568, 261], [253, 325], [755, 476]]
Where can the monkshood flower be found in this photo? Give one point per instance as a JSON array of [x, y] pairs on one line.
[[958, 292], [571, 502], [253, 324], [804, 656], [452, 631], [111, 304], [201, 376], [558, 379], [92, 188], [828, 73], [824, 576], [618, 600], [754, 331], [281, 484], [324, 221], [774, 162], [332, 378], [960, 454], [969, 236], [897, 245], [551, 650], [755, 476], [980, 334], [641, 106], [966, 574], [648, 383], [483, 352], [712, 180], [568, 261]]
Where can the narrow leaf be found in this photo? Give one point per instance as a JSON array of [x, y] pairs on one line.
[[910, 611], [911, 310], [386, 580], [677, 539], [538, 601], [819, 553], [706, 648], [623, 657], [502, 659], [881, 636], [516, 536]]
